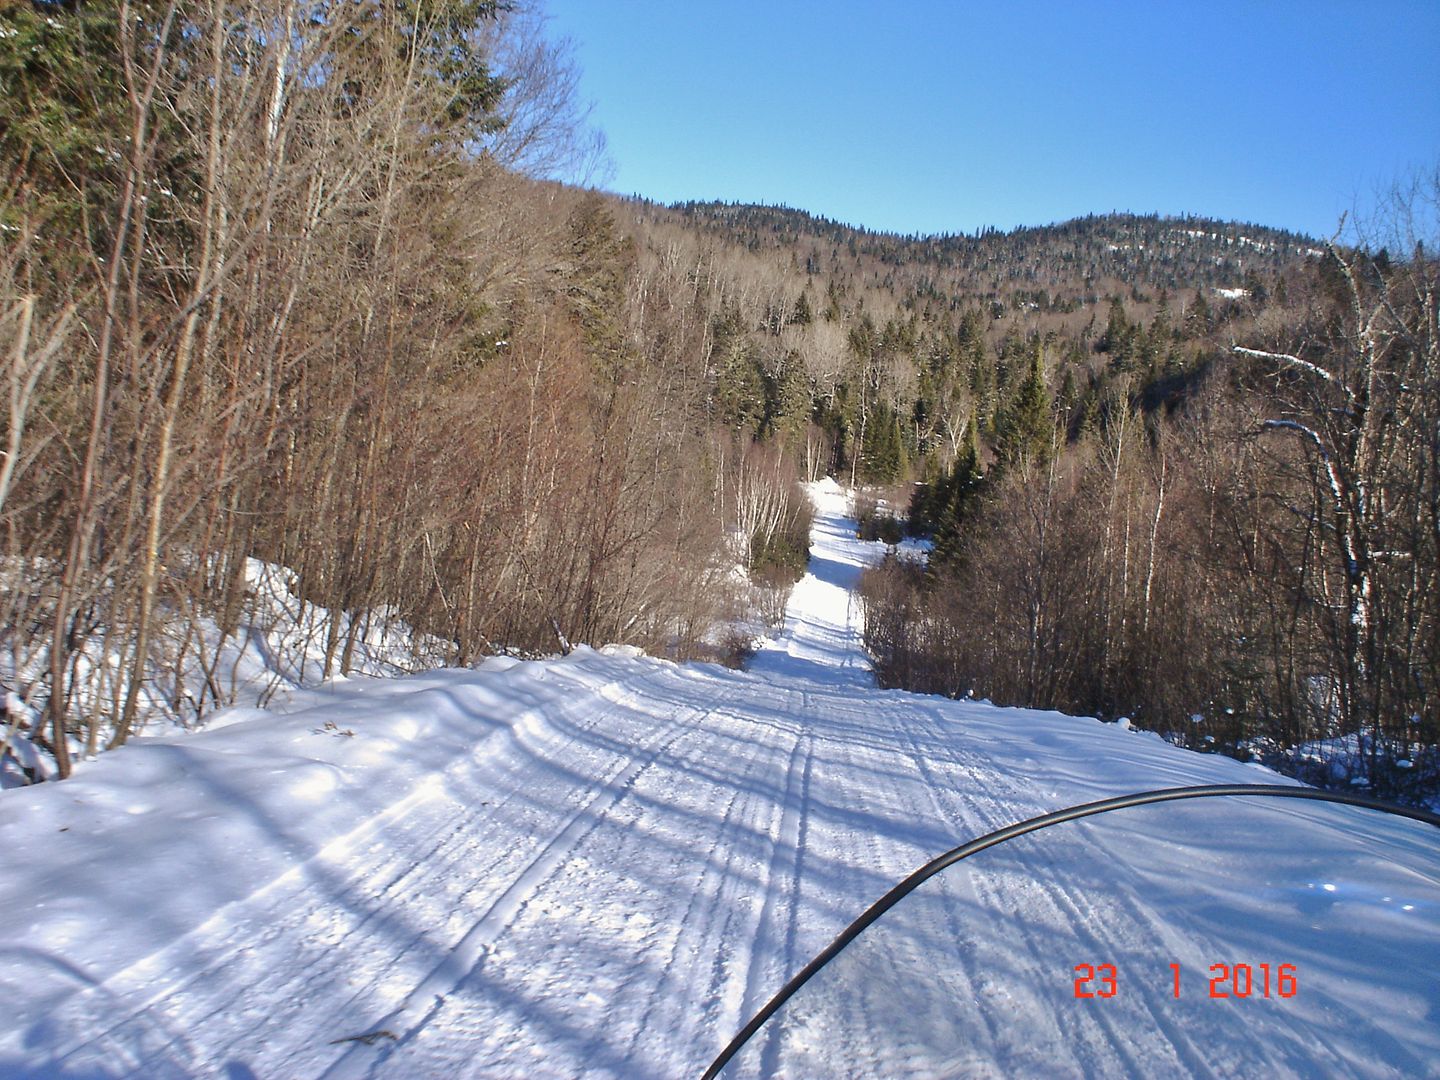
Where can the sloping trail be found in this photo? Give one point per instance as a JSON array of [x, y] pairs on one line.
[[601, 867]]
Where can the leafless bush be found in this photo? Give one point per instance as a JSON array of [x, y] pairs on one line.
[[875, 516]]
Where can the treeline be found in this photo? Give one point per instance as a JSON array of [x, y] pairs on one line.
[[278, 281], [285, 280], [875, 389], [1254, 568], [1060, 269]]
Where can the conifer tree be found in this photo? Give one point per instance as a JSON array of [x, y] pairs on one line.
[[740, 389], [1197, 318], [786, 398], [1117, 329], [1069, 396], [884, 452], [802, 315], [957, 495], [1024, 429], [975, 355]]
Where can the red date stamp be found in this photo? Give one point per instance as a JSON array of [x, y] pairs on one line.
[[1225, 980]]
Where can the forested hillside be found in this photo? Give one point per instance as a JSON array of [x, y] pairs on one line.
[[286, 281], [1050, 267], [890, 344], [295, 282], [1175, 470]]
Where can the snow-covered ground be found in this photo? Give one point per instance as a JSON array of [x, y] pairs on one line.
[[279, 647], [603, 865]]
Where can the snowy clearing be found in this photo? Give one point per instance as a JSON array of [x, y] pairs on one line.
[[603, 865]]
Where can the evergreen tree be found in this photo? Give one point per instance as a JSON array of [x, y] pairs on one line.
[[1087, 416], [925, 499], [1117, 329], [802, 314], [739, 393], [457, 57], [1197, 318], [786, 398], [1162, 330], [883, 455], [64, 119], [1014, 358], [1259, 294], [1069, 397], [1024, 429], [601, 256], [975, 356], [954, 503]]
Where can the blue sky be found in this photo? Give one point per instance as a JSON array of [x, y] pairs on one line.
[[929, 116]]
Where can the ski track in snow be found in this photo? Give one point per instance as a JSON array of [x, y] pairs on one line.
[[617, 860]]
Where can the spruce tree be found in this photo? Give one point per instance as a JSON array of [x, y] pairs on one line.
[[1197, 318], [1069, 396], [740, 390], [957, 494], [802, 315], [982, 387], [883, 455], [1117, 329], [1024, 429]]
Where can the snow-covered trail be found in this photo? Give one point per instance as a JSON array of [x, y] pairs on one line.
[[822, 641], [602, 866]]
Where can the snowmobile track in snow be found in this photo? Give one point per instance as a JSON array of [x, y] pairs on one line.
[[602, 865]]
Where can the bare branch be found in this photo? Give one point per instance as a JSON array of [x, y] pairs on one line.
[[1296, 362]]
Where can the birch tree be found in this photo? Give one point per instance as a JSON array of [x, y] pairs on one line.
[[1356, 396]]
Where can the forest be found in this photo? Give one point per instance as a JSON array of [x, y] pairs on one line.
[[296, 281]]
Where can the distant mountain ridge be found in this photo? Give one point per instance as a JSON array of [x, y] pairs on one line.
[[791, 224], [1068, 263]]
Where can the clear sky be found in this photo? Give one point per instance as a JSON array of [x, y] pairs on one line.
[[929, 116]]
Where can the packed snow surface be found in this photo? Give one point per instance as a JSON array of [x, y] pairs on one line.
[[603, 865]]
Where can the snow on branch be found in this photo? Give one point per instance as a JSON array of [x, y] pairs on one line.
[[1336, 493], [1295, 361], [1309, 433]]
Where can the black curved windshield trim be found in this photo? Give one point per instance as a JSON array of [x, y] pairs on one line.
[[1010, 832]]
